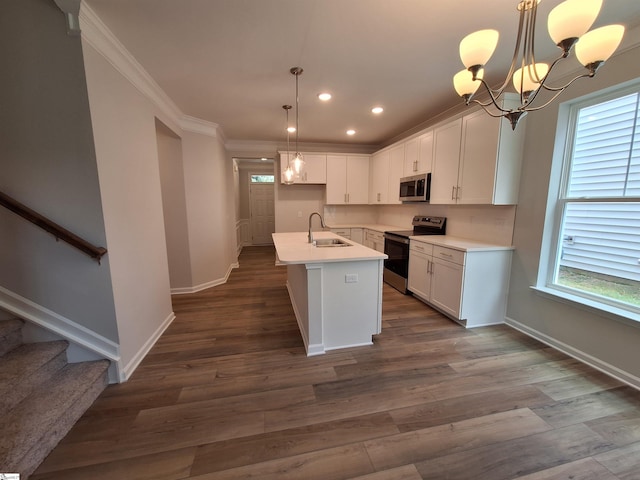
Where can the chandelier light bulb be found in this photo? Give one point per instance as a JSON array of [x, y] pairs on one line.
[[572, 18], [298, 163], [288, 175], [476, 48], [596, 46]]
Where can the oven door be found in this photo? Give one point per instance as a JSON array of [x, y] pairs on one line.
[[396, 267]]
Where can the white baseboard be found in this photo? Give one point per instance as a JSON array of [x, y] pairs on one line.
[[590, 360], [204, 286], [127, 371], [75, 333]]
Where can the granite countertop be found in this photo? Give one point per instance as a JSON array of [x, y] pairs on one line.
[[457, 243], [294, 248]]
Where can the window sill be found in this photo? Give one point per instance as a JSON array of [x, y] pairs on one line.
[[608, 311]]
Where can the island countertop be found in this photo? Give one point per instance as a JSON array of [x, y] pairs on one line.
[[294, 248]]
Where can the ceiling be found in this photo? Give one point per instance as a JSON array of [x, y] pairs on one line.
[[228, 61]]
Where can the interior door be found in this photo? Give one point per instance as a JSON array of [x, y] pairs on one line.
[[263, 222]]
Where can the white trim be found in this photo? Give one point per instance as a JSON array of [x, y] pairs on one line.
[[594, 362], [195, 125], [204, 286], [66, 328], [126, 372]]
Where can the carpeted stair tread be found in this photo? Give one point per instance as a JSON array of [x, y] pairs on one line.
[[10, 335], [26, 367], [41, 420]]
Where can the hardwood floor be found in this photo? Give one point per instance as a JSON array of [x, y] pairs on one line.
[[228, 393]]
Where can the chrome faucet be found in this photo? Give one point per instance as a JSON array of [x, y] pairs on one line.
[[321, 223]]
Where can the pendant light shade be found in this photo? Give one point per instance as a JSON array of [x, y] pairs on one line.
[[477, 48], [464, 83], [572, 19], [595, 47], [288, 174], [532, 78]]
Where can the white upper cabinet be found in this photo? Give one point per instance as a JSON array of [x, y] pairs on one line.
[[446, 159], [476, 160], [396, 164], [347, 179], [379, 178], [418, 154], [315, 168]]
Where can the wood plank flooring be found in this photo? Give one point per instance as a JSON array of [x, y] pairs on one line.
[[228, 393]]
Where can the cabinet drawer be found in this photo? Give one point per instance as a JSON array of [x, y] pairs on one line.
[[343, 232], [425, 248], [449, 254]]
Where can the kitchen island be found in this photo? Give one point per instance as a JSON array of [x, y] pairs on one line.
[[336, 291]]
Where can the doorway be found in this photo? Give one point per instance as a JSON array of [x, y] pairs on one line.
[[261, 208]]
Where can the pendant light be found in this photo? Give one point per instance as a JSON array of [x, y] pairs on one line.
[[568, 24], [298, 161], [288, 174]]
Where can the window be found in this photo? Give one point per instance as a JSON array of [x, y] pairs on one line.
[[597, 254], [262, 178]]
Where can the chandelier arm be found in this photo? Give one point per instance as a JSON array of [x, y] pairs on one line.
[[489, 112], [493, 96], [557, 91], [514, 59]]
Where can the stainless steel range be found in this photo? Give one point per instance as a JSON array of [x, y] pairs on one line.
[[396, 246]]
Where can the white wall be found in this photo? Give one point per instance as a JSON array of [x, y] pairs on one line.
[[607, 343], [174, 205], [49, 163], [128, 168], [209, 184]]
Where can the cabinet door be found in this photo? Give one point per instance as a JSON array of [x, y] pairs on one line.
[[446, 289], [315, 169], [357, 235], [396, 165], [336, 179], [419, 281], [446, 158], [478, 157], [357, 184], [379, 185], [425, 152], [411, 148]]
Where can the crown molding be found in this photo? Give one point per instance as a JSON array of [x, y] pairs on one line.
[[98, 35]]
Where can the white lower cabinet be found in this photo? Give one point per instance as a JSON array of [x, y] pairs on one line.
[[374, 240], [468, 284]]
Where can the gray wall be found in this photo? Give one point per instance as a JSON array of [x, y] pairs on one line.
[[48, 162], [608, 343]]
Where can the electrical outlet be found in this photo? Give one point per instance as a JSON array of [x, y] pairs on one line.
[[351, 278]]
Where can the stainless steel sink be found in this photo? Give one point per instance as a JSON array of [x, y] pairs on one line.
[[330, 242]]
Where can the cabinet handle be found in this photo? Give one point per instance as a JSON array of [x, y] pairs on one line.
[[429, 269], [453, 191], [348, 198], [448, 255], [345, 198], [458, 193], [415, 165], [378, 197]]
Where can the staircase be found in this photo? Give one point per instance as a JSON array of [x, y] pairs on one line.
[[41, 397]]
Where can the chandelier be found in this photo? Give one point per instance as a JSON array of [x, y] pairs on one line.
[[568, 25], [288, 175]]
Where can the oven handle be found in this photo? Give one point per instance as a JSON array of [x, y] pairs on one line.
[[395, 238]]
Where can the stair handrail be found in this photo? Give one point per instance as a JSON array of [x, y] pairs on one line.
[[53, 228]]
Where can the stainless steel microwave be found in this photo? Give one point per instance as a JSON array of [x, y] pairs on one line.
[[416, 188]]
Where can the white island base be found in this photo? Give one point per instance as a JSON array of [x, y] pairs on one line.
[[336, 293]]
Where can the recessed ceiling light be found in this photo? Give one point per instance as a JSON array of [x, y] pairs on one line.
[[351, 132], [377, 110], [324, 96], [263, 159], [291, 129]]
